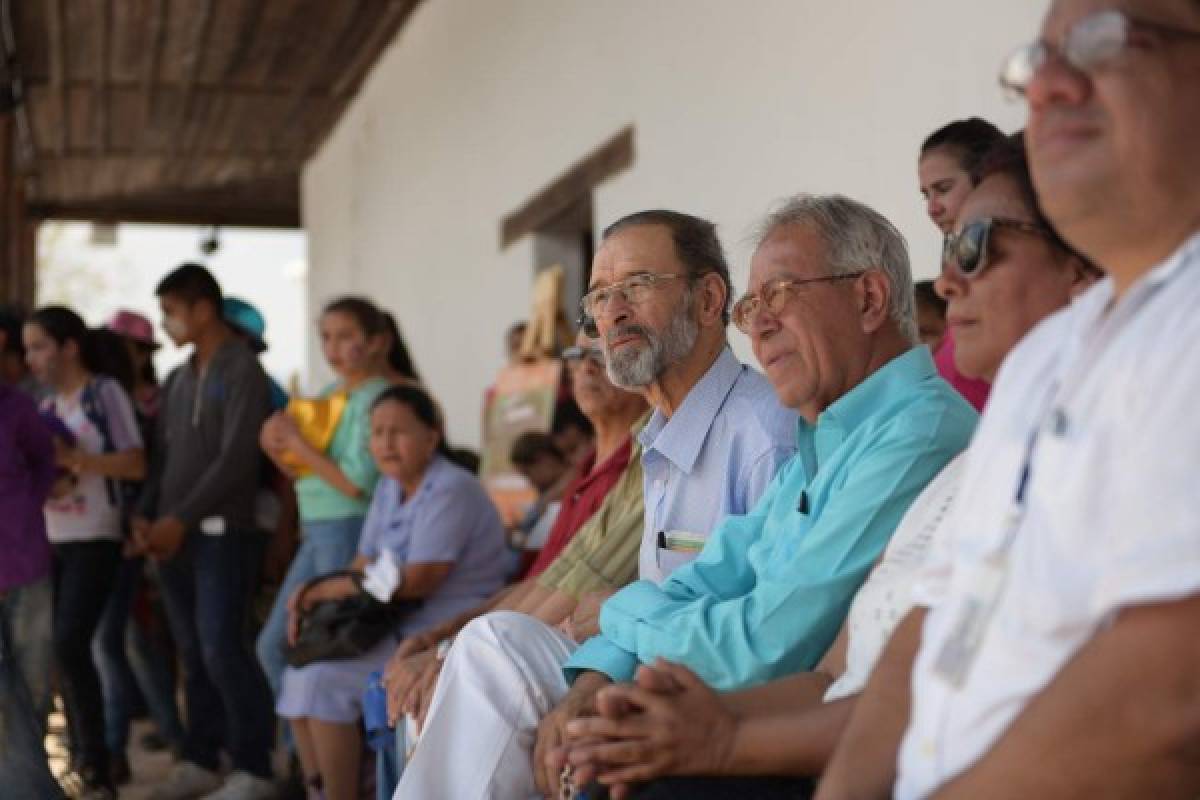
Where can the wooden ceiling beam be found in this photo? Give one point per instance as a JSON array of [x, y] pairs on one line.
[[102, 61], [318, 61], [196, 57], [158, 36], [203, 87], [393, 17], [75, 153], [176, 211], [56, 34]]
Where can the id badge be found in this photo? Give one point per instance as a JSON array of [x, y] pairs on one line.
[[971, 618]]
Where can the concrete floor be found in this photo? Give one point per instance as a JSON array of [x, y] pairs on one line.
[[149, 769]]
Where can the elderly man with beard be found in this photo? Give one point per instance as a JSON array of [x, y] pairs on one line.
[[660, 293]]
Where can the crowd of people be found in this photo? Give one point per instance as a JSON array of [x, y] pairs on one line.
[[943, 545]]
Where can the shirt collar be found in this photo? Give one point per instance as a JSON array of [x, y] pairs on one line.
[[432, 475], [681, 437], [869, 398], [1091, 307], [589, 471]]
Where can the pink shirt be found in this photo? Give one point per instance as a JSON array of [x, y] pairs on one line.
[[974, 390]]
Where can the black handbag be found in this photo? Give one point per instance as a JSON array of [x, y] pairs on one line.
[[335, 630]]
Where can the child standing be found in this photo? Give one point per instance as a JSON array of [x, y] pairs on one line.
[[335, 490], [84, 517]]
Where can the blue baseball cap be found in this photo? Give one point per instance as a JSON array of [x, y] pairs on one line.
[[247, 320]]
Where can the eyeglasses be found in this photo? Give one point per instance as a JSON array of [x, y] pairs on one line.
[[774, 296], [967, 250], [578, 353], [633, 290], [1091, 44]]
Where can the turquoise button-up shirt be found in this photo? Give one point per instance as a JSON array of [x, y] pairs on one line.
[[770, 589]]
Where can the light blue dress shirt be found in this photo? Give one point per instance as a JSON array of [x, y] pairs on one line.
[[714, 457], [768, 593]]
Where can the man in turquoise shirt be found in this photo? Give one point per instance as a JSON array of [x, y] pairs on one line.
[[830, 316]]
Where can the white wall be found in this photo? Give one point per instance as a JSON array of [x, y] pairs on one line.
[[479, 104]]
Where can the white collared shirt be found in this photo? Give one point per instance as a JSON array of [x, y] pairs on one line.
[[1111, 515]]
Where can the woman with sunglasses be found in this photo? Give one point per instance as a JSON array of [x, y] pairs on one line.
[[948, 171], [1007, 271], [1005, 268]]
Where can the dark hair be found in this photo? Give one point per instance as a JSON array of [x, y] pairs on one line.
[[1008, 158], [696, 245], [397, 357], [101, 352], [424, 408], [148, 375], [191, 283], [568, 414], [375, 322], [365, 313], [113, 357], [968, 140], [11, 320], [529, 446], [926, 296]]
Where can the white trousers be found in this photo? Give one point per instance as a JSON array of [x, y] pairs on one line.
[[503, 674]]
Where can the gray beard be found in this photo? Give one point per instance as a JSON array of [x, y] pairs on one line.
[[639, 365]]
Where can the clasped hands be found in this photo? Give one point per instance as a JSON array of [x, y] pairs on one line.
[[667, 722]]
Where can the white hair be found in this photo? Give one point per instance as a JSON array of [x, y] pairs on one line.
[[856, 238]]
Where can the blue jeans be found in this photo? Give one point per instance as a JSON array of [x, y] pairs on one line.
[[389, 765], [129, 666], [207, 589], [28, 612], [326, 546], [84, 573], [24, 773]]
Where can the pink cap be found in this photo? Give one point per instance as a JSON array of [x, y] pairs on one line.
[[133, 325]]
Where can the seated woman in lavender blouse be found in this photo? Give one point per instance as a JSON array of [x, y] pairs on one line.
[[440, 529]]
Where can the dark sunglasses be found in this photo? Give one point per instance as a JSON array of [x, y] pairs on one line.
[[967, 250], [577, 353]]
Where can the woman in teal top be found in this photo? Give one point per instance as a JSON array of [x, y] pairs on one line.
[[335, 490]]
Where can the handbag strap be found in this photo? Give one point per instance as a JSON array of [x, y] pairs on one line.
[[341, 573]]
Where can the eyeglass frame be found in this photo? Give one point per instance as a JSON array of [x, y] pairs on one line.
[[1037, 54], [582, 352], [655, 279], [782, 284], [979, 264]]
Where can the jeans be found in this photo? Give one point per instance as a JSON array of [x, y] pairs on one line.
[[326, 546], [207, 588], [131, 667], [389, 764], [28, 611], [24, 773], [84, 573]]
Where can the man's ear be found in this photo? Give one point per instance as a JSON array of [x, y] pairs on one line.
[[874, 293], [712, 297]]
